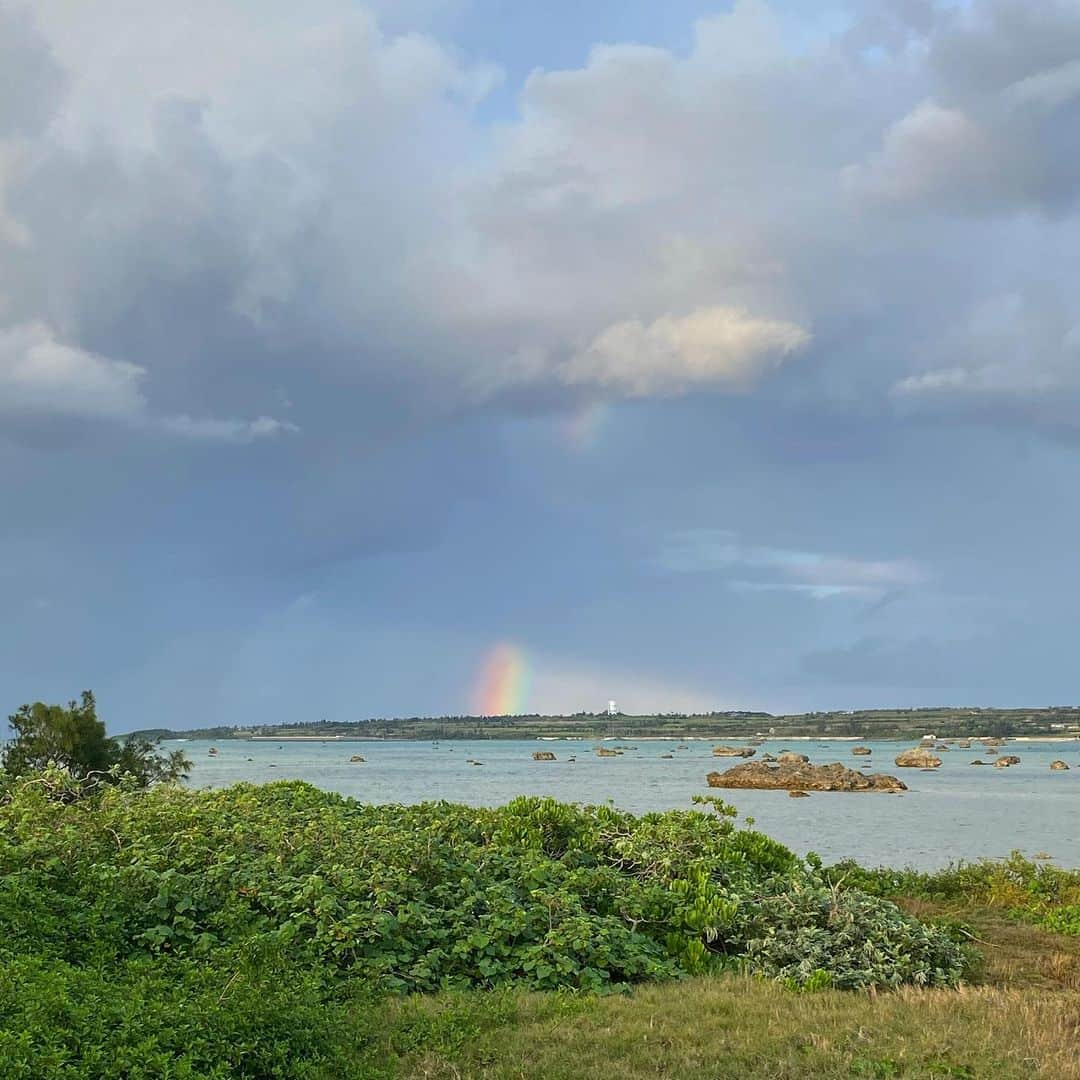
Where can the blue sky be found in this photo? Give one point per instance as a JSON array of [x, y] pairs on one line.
[[713, 356]]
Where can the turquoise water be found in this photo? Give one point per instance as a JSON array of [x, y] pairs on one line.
[[955, 812]]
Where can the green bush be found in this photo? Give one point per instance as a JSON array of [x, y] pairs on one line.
[[154, 1018], [436, 896], [1039, 892]]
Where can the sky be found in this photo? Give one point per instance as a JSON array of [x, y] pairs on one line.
[[694, 355]]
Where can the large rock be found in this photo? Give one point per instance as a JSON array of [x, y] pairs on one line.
[[917, 759], [789, 757], [801, 776], [1006, 760], [543, 755], [1058, 766], [861, 751], [733, 751]]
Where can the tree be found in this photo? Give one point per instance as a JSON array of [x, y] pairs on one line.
[[74, 739]]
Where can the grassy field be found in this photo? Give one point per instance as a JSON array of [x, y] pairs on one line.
[[1021, 1020]]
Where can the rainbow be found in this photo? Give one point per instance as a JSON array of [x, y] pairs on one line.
[[503, 683], [583, 429]]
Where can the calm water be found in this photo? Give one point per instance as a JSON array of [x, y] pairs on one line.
[[953, 813]]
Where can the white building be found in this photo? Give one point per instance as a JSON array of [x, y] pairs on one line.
[[611, 709]]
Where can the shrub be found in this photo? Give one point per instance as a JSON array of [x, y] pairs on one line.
[[436, 896], [149, 1018], [1039, 892]]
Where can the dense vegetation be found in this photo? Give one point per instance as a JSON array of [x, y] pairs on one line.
[[245, 932], [865, 724], [1041, 893], [74, 739]]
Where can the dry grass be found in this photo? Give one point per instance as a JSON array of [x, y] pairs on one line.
[[1017, 954]]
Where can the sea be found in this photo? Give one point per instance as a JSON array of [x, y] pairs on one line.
[[954, 813]]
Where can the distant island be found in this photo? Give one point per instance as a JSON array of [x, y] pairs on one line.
[[950, 722]]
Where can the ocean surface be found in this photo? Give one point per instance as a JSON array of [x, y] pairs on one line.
[[956, 812]]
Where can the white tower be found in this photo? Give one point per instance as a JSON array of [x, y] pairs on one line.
[[611, 709]]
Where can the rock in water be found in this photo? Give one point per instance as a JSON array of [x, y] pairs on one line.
[[1058, 766], [917, 759], [1006, 760], [801, 776], [796, 794], [789, 757], [861, 751], [543, 755], [733, 751], [356, 757]]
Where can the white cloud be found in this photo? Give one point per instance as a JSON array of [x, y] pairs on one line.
[[39, 374], [309, 185], [762, 568], [932, 151], [234, 431], [42, 376], [1047, 89], [712, 346], [1011, 346]]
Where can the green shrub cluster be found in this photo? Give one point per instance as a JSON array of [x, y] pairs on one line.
[[1039, 892], [262, 905]]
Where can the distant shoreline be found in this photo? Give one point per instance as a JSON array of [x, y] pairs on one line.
[[1054, 723], [1075, 739]]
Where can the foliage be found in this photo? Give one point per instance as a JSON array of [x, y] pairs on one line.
[[1040, 892], [74, 740], [148, 1018], [435, 896], [246, 932]]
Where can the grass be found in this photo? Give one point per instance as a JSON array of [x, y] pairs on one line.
[[740, 1027], [1016, 953], [1023, 1020]]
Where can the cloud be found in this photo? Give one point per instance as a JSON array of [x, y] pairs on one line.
[[994, 135], [325, 208], [754, 568], [234, 431], [712, 346], [39, 374], [932, 152], [1014, 355], [43, 377], [31, 81]]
